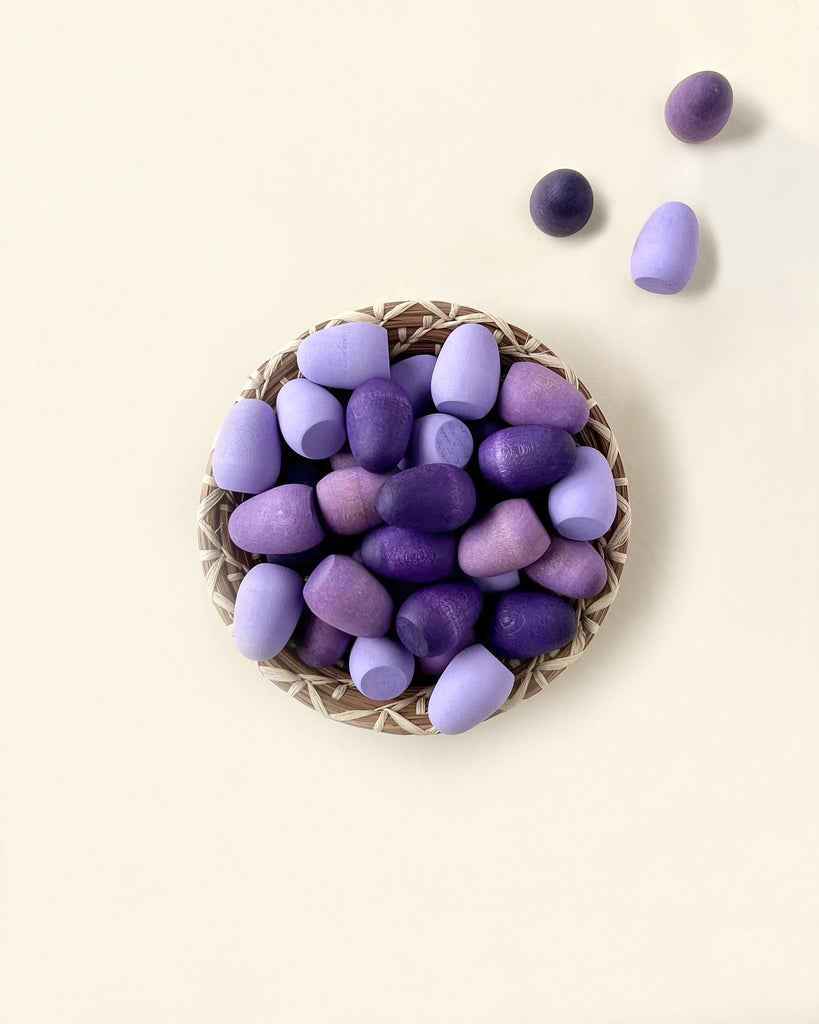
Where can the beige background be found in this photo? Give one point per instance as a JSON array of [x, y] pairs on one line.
[[187, 185]]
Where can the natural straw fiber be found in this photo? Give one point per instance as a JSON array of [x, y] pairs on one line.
[[413, 327]]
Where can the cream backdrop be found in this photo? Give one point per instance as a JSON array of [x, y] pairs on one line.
[[185, 186]]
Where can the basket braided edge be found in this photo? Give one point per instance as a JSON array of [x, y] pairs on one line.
[[420, 326]]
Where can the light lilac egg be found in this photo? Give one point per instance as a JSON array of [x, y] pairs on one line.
[[311, 419], [346, 355], [473, 686], [582, 505], [414, 375], [466, 377], [438, 438], [247, 454], [268, 606], [380, 667], [665, 253]]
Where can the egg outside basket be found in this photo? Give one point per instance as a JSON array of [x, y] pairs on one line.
[[413, 327]]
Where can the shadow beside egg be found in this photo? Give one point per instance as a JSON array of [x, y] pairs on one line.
[[745, 122]]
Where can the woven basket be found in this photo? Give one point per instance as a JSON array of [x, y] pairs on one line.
[[417, 327]]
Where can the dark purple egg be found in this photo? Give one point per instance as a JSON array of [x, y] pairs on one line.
[[525, 625], [435, 498], [319, 643], [379, 424], [519, 459], [435, 619], [699, 106], [561, 202], [409, 555]]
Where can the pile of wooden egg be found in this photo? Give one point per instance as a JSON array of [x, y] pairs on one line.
[[399, 514]]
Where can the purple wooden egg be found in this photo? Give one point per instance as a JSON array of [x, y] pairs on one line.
[[409, 555], [346, 355], [534, 394], [435, 665], [508, 537], [582, 505], [440, 438], [665, 253], [699, 106], [381, 668], [320, 644], [379, 423], [572, 568], [561, 202], [525, 625], [414, 375], [280, 521], [267, 610], [467, 373], [473, 686], [247, 452], [434, 619], [436, 498], [346, 498], [519, 459], [349, 597], [310, 418], [498, 584]]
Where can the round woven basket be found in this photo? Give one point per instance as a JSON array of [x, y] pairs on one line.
[[416, 327]]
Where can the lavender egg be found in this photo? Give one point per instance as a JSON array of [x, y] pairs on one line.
[[582, 505], [440, 438], [473, 686], [380, 667], [310, 418], [247, 452], [466, 377], [346, 355], [414, 375], [267, 610]]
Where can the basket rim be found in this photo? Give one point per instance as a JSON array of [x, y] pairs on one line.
[[411, 324]]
